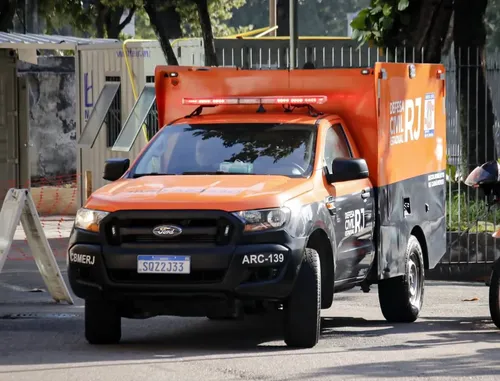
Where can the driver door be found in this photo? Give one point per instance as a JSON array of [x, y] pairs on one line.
[[353, 217]]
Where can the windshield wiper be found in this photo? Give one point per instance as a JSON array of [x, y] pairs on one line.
[[137, 175], [215, 173]]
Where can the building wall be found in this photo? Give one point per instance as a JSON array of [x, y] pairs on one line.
[[52, 116]]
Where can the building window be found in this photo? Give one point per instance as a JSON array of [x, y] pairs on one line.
[[107, 109], [114, 116]]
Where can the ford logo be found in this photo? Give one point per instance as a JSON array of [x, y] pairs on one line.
[[167, 231]]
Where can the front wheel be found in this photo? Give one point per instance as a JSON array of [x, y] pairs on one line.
[[303, 307], [495, 294], [401, 298]]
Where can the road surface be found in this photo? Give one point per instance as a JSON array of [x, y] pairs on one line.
[[453, 340]]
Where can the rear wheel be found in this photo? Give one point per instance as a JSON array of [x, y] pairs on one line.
[[495, 294], [303, 308], [102, 322], [401, 298]]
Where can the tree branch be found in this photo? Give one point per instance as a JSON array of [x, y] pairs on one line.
[[206, 30], [128, 18], [163, 19]]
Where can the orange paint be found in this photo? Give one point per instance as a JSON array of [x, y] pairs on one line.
[[372, 110]]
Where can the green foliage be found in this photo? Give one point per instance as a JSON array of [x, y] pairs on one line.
[[220, 12], [59, 14], [473, 215], [375, 22], [143, 28]]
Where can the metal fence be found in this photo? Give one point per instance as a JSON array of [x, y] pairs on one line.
[[471, 249]]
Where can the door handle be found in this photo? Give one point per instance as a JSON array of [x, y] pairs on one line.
[[365, 193]]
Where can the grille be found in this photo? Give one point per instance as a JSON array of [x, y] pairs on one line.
[[200, 276], [195, 231]]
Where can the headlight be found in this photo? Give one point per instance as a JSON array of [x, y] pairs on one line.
[[256, 220], [87, 219]]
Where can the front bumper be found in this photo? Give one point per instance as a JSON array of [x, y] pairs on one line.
[[98, 270]]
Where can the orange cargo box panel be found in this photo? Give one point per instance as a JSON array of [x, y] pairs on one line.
[[411, 122], [395, 112]]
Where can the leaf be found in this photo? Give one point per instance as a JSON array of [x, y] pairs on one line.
[[403, 4], [356, 34], [387, 23], [376, 10], [359, 22], [387, 10]]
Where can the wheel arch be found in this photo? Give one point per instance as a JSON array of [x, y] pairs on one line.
[[420, 236], [319, 241]]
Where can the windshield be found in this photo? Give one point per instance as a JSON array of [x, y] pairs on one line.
[[243, 148]]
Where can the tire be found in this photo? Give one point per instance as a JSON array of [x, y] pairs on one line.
[[494, 294], [102, 323], [303, 307], [401, 298]]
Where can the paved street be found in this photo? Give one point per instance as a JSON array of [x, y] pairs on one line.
[[454, 339]]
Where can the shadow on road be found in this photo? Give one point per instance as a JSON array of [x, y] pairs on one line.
[[167, 339], [441, 366]]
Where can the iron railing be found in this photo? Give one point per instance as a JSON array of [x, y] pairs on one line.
[[471, 249]]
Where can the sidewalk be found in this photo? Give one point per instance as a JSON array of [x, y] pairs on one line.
[[20, 280], [57, 230]]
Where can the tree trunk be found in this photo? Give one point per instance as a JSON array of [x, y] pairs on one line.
[[100, 20], [283, 17], [476, 115], [206, 31], [113, 18], [167, 25], [7, 13], [421, 32]]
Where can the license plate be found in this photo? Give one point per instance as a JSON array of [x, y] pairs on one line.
[[163, 264]]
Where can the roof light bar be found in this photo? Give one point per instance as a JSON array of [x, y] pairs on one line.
[[287, 100]]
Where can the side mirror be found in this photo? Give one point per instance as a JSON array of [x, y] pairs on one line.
[[115, 168], [347, 169]]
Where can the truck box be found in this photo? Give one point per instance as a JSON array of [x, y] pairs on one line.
[[395, 113]]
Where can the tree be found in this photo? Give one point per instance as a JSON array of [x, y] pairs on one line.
[[7, 12], [174, 19], [221, 13], [425, 26], [206, 32], [94, 18], [315, 17], [109, 14], [419, 25], [166, 23]]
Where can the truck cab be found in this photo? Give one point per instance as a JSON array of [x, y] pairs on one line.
[[246, 203]]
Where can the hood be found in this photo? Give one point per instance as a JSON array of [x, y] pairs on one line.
[[225, 192]]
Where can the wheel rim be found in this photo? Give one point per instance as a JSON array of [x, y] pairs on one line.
[[414, 281]]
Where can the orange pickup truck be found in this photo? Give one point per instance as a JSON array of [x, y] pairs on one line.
[[270, 189]]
